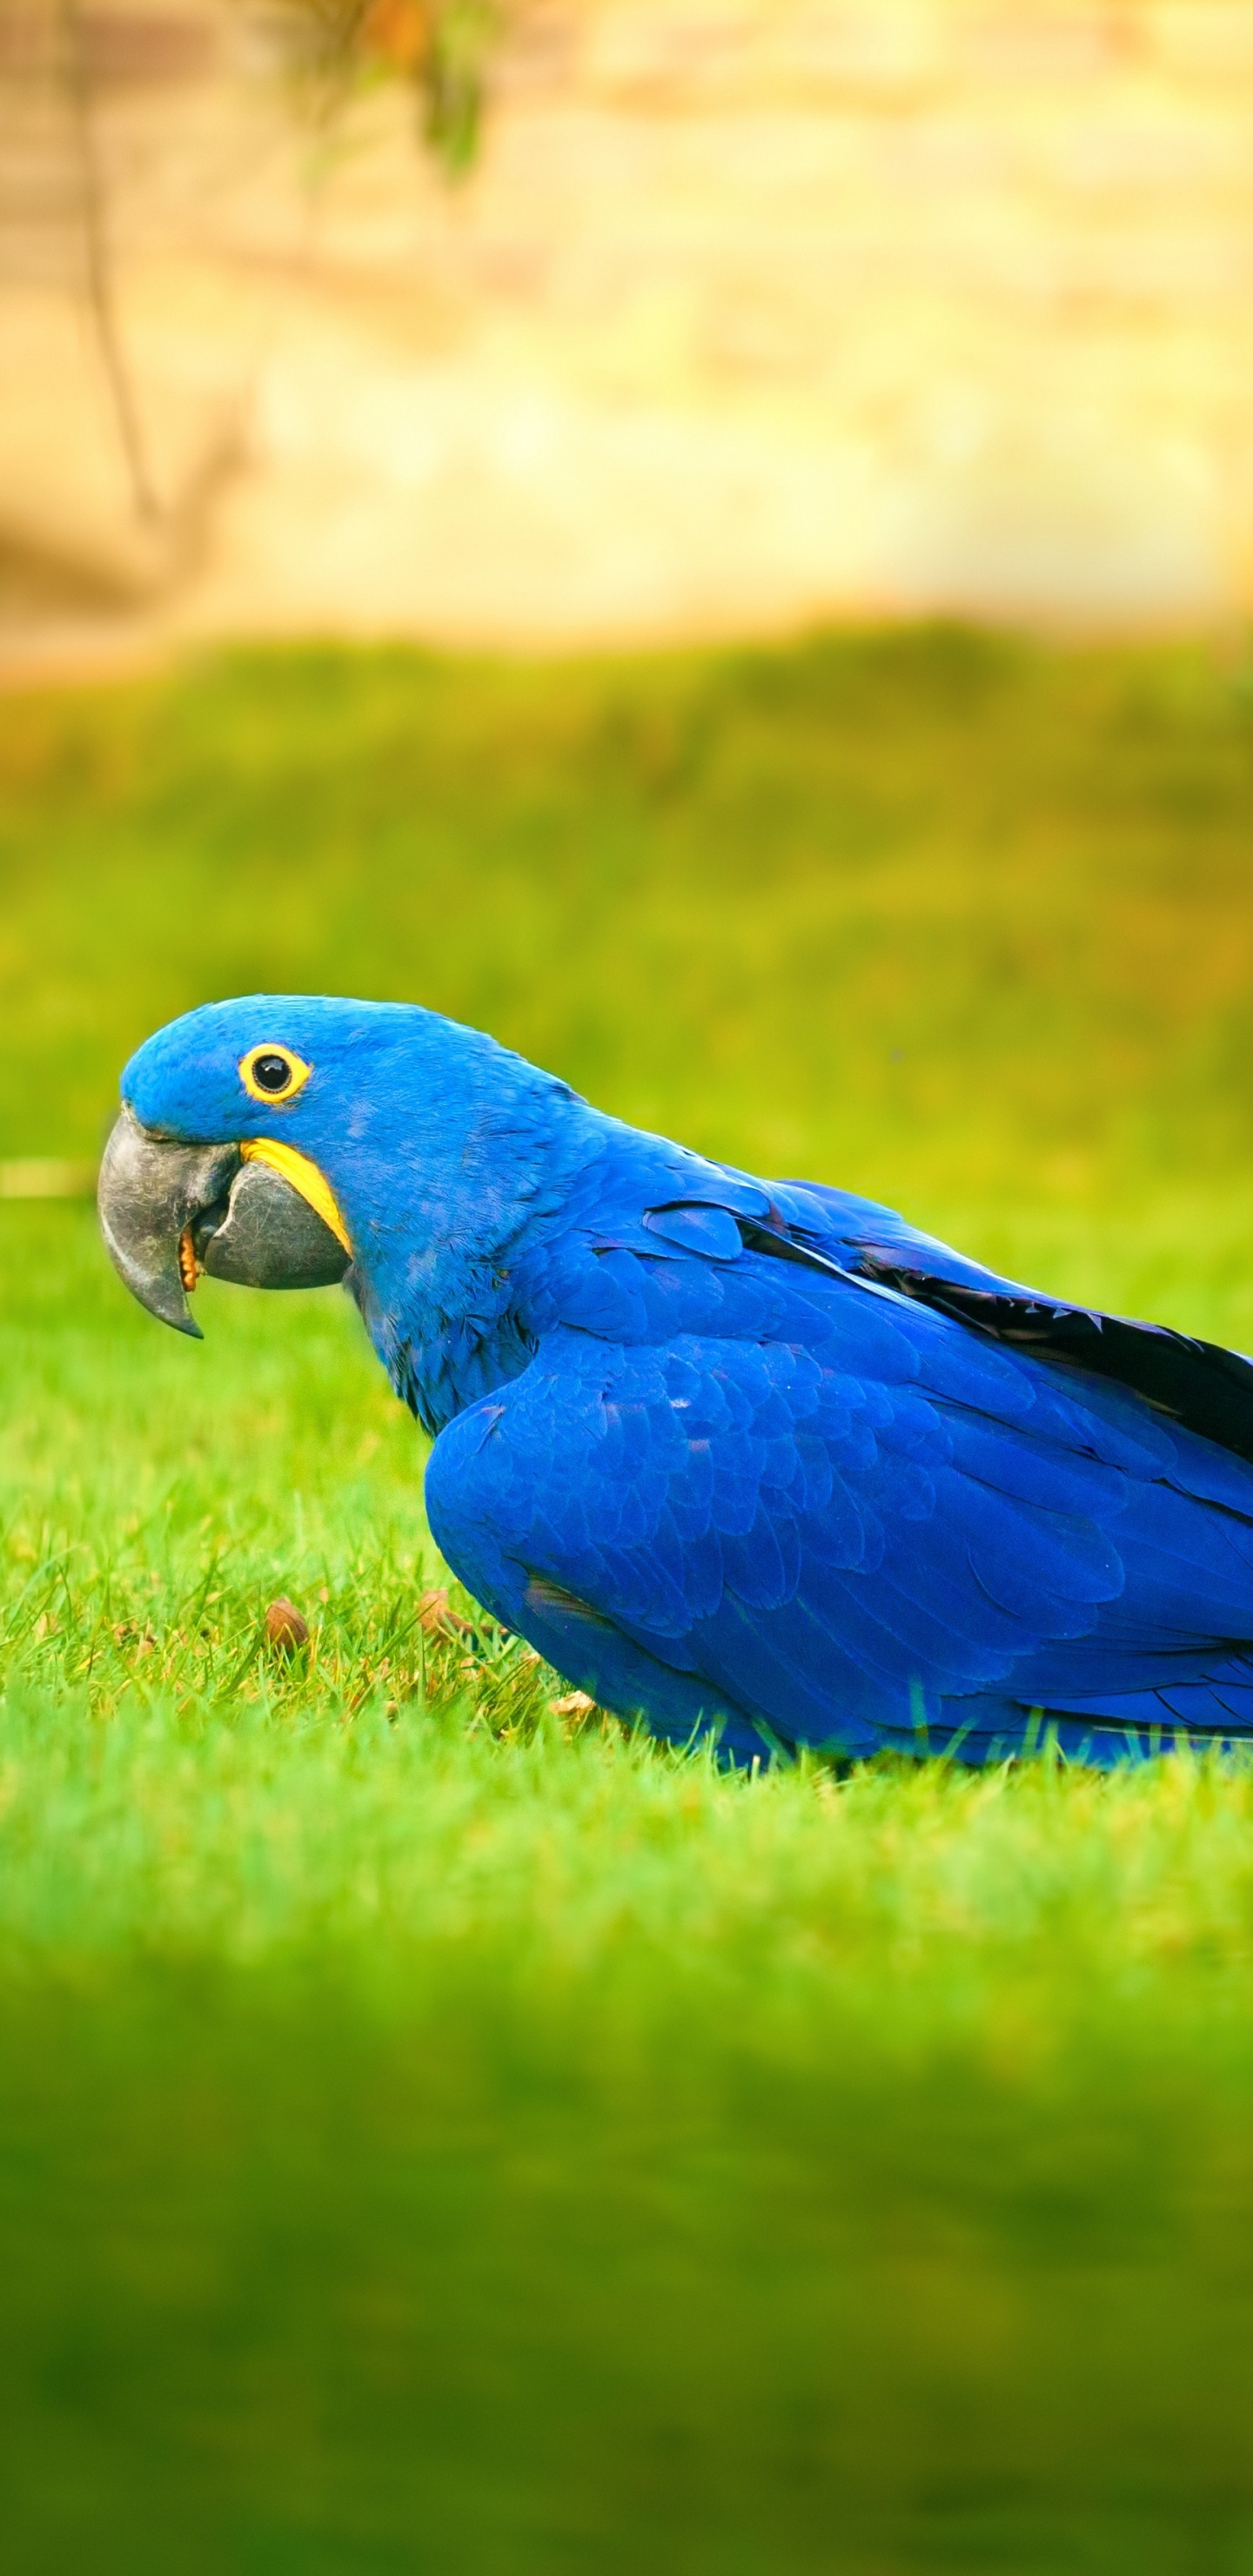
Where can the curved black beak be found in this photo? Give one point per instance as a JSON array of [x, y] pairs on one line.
[[169, 1211]]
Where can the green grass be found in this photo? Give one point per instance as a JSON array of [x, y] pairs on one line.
[[438, 2132]]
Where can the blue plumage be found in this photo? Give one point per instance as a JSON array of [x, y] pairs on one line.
[[756, 1457]]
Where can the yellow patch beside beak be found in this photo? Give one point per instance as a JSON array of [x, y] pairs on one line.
[[304, 1176]]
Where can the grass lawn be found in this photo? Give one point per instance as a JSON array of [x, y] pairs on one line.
[[439, 2133]]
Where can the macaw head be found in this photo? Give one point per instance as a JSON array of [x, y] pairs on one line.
[[287, 1140]]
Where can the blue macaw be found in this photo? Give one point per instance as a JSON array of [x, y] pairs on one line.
[[750, 1459]]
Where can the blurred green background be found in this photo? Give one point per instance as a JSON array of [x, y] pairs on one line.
[[951, 918], [436, 2132]]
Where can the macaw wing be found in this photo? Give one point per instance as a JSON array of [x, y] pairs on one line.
[[872, 1523], [1190, 1380]]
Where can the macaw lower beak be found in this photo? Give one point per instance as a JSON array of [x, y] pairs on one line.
[[169, 1211]]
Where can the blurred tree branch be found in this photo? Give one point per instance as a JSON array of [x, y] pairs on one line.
[[328, 52], [97, 261], [439, 49]]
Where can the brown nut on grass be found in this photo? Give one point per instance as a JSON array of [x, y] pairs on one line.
[[285, 1629]]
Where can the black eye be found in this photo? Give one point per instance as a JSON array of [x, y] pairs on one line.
[[271, 1073]]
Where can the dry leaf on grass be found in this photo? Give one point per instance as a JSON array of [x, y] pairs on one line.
[[437, 1618]]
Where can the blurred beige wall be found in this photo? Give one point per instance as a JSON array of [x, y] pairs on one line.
[[755, 310]]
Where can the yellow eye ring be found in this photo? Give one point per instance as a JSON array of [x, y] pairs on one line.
[[273, 1074]]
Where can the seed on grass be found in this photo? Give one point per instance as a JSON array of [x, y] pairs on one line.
[[575, 1704], [284, 1628]]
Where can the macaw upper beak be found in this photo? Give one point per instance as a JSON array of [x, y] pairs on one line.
[[168, 1211]]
